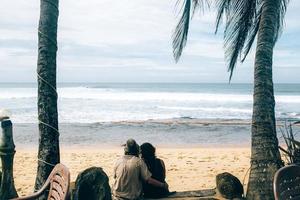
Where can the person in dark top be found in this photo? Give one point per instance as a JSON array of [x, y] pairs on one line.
[[157, 168]]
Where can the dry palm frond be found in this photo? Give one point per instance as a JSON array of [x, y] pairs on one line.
[[292, 151]]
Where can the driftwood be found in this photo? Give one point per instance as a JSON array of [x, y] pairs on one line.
[[92, 183], [208, 194]]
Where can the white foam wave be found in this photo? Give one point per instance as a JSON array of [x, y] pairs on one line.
[[17, 93], [123, 95], [287, 99], [211, 109], [88, 105]]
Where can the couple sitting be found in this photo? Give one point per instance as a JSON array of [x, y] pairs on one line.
[[137, 177]]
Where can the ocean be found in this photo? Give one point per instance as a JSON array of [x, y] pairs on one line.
[[164, 113], [113, 102]]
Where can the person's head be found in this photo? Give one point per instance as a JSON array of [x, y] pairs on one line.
[[147, 150], [131, 148]]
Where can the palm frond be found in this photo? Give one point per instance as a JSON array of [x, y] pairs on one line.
[[292, 146], [252, 33], [200, 5], [181, 31], [180, 34], [242, 19], [222, 7], [239, 20], [283, 8]]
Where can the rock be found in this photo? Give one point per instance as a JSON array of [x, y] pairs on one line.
[[229, 186], [92, 184]]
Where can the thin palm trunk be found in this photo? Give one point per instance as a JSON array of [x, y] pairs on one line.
[[48, 153], [265, 157]]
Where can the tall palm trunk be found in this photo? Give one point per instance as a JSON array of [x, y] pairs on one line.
[[48, 154], [265, 157]]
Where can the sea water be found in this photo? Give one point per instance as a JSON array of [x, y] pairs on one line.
[[165, 114], [113, 102]]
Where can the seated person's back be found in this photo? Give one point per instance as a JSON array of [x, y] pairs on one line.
[[130, 172], [157, 168]]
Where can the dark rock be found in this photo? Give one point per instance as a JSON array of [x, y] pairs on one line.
[[229, 186], [92, 184]]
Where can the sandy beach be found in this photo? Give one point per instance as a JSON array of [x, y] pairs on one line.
[[192, 162], [187, 168]]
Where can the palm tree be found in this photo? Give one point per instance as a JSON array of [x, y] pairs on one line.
[[48, 154], [245, 21]]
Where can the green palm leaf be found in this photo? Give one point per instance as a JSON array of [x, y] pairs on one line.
[[239, 21], [180, 34], [181, 31], [242, 19]]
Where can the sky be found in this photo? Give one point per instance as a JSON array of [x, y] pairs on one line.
[[130, 41]]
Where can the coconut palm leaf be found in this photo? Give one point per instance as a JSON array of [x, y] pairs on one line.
[[285, 151], [252, 34], [284, 137], [283, 8], [287, 155], [221, 6], [181, 31], [199, 5], [297, 143], [242, 23], [292, 136], [240, 16]]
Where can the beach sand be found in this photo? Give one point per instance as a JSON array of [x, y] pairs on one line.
[[187, 168]]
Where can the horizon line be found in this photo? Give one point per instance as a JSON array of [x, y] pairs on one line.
[[138, 82]]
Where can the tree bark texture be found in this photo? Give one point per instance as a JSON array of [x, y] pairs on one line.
[[265, 156], [48, 153]]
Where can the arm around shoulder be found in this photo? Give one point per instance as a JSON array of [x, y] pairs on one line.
[[157, 183]]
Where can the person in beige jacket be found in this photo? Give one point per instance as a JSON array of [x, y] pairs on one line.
[[130, 172]]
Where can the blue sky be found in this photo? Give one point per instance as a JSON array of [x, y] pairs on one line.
[[130, 41]]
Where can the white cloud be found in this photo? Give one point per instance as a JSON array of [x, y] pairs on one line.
[[126, 22], [206, 48], [127, 40]]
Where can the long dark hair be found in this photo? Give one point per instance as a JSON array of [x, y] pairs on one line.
[[148, 154]]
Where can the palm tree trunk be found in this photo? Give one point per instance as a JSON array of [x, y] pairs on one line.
[[48, 154], [265, 156]]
